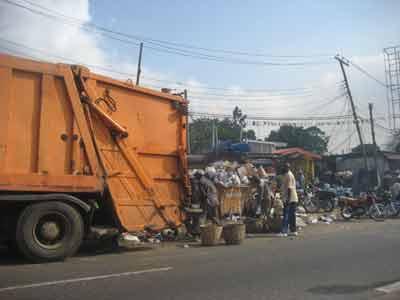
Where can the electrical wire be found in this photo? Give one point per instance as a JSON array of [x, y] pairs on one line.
[[274, 118], [181, 45], [110, 70], [155, 47], [246, 90], [65, 59], [339, 126], [325, 104], [367, 73], [347, 139], [56, 56]]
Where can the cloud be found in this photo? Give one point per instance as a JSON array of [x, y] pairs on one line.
[[83, 46], [46, 34]]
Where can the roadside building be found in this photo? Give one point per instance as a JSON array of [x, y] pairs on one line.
[[300, 159]]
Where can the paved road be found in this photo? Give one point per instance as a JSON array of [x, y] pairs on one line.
[[337, 261]]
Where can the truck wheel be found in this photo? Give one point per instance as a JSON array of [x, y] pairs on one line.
[[49, 231]]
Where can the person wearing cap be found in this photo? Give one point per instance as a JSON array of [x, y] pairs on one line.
[[290, 200]]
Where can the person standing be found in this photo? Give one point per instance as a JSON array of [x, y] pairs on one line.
[[290, 200], [210, 195]]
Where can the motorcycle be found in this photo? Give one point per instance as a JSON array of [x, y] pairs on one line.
[[357, 207]]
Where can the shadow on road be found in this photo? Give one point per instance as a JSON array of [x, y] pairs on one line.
[[342, 289], [9, 256]]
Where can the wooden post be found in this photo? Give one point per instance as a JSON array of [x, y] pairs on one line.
[[139, 67]]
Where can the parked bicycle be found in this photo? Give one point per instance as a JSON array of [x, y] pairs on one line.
[[387, 207], [313, 200]]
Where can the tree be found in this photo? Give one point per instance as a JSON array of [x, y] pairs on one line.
[[311, 138], [250, 134], [228, 130], [239, 119], [200, 135]]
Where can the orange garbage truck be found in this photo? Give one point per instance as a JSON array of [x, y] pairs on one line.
[[80, 151]]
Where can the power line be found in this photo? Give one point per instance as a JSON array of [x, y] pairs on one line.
[[182, 45], [326, 104], [241, 93], [248, 98], [273, 118], [246, 90], [348, 138], [111, 70], [367, 73], [338, 128], [66, 59], [155, 47], [289, 101]]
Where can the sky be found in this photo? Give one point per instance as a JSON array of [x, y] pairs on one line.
[[277, 34]]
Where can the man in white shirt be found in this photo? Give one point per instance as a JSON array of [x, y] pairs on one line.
[[290, 200]]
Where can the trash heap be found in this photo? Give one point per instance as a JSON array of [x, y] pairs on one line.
[[303, 219], [231, 174]]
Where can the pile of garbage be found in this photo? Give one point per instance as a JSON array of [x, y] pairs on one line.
[[231, 174], [338, 190], [149, 237], [303, 219], [344, 174]]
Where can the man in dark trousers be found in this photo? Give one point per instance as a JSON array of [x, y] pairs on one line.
[[290, 200]]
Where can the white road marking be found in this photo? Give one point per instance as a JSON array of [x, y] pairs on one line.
[[390, 288], [74, 280]]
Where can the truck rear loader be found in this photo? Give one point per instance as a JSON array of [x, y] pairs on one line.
[[80, 150]]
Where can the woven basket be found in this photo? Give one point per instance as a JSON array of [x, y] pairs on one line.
[[234, 234], [210, 234]]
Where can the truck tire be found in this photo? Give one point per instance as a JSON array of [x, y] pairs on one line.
[[49, 231]]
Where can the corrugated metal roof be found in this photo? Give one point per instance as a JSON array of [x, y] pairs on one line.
[[297, 152]]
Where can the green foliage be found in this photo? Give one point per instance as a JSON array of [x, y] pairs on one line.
[[228, 129], [250, 134], [200, 135], [311, 138]]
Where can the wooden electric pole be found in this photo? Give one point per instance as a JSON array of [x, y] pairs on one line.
[[139, 67], [356, 120], [371, 120]]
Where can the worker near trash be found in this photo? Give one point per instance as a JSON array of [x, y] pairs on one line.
[[290, 200], [210, 195]]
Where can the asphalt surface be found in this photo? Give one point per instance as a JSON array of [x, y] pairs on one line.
[[336, 261]]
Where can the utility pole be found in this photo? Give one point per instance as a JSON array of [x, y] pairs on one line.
[[139, 67], [213, 135], [356, 120], [371, 120], [185, 96]]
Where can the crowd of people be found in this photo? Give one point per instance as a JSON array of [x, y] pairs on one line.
[[205, 195]]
